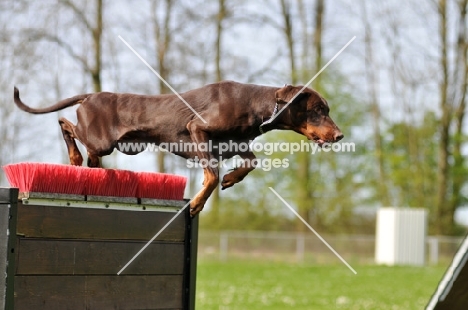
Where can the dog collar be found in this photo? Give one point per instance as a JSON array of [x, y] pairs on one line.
[[275, 110]]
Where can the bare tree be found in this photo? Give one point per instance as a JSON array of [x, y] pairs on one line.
[[444, 143], [92, 66], [162, 38], [219, 24], [220, 19], [304, 198], [286, 13], [18, 62], [372, 86], [318, 34], [459, 98], [306, 203]]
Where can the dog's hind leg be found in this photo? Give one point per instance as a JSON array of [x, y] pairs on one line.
[[94, 161], [68, 135]]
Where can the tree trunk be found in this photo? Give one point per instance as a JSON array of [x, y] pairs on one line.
[[289, 35], [219, 34], [97, 44], [303, 171], [444, 138], [162, 39], [458, 169], [306, 40], [318, 32], [94, 67], [221, 16], [372, 83], [305, 160]]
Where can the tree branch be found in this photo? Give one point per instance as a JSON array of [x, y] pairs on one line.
[[37, 36]]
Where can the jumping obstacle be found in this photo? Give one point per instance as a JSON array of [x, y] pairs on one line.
[[64, 251], [452, 291]]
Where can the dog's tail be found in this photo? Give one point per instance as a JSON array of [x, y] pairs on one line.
[[56, 107]]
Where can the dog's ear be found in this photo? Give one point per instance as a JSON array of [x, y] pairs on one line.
[[286, 93]]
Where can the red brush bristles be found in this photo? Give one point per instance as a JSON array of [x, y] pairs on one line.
[[124, 183], [161, 186], [175, 187], [150, 185], [67, 179], [38, 177], [20, 175], [111, 182]]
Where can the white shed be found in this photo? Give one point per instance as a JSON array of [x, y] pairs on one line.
[[401, 236]]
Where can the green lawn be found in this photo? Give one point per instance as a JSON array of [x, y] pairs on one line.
[[256, 285]]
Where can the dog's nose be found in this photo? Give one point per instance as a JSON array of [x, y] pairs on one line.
[[338, 136]]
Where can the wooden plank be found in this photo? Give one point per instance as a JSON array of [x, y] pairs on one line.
[[103, 205], [164, 202], [11, 251], [133, 200], [98, 292], [71, 257], [190, 272], [55, 196], [4, 218], [83, 223]]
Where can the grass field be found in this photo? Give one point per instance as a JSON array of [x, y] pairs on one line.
[[257, 285]]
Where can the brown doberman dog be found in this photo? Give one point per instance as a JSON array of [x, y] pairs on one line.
[[229, 111]]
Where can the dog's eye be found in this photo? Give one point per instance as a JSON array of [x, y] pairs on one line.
[[321, 110]]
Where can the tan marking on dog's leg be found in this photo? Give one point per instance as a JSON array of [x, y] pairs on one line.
[[73, 152], [94, 161], [210, 182]]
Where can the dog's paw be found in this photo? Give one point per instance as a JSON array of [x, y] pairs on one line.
[[228, 181], [195, 208]]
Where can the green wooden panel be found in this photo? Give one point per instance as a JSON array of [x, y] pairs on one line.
[[98, 292], [72, 257], [86, 223]]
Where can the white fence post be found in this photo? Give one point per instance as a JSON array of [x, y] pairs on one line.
[[223, 246], [433, 243], [300, 247]]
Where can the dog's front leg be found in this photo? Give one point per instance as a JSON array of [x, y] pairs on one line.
[[210, 181], [199, 134], [239, 173]]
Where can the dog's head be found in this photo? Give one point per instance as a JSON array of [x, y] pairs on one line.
[[307, 114]]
